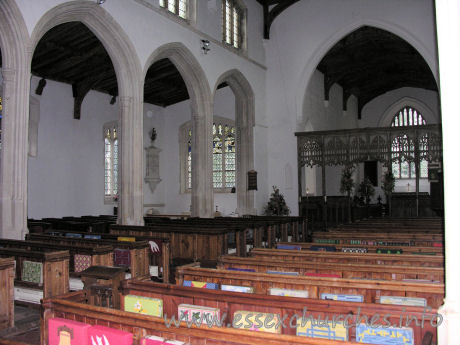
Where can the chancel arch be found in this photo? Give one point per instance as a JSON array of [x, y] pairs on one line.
[[324, 47], [198, 90], [128, 97]]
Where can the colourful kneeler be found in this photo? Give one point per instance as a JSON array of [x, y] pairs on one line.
[[202, 285], [384, 336], [68, 332], [144, 305], [100, 335], [256, 321], [321, 330]]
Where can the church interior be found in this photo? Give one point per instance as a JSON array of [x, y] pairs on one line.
[[281, 170]]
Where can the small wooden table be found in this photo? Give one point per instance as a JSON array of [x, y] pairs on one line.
[[107, 278]]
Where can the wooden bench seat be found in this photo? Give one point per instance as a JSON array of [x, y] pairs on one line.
[[54, 271], [229, 302], [160, 257], [349, 271], [73, 307], [257, 230], [339, 257], [189, 242], [416, 239], [371, 248], [138, 264], [6, 292], [99, 255], [262, 282]]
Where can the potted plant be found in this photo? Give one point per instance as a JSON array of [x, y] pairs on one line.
[[276, 206], [347, 184], [366, 190], [388, 186]]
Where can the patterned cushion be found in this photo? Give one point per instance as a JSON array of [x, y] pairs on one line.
[[241, 269], [32, 272], [121, 257], [326, 275], [384, 336], [288, 247], [81, 262], [204, 285], [330, 331], [283, 273], [323, 248]]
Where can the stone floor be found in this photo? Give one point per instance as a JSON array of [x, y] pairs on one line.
[[27, 326]]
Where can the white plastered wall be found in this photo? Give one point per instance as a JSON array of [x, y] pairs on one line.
[[66, 178], [150, 21]]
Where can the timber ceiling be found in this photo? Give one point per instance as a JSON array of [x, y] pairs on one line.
[[271, 10], [72, 54], [370, 62]]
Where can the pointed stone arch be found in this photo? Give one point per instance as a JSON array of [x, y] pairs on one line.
[[327, 44], [244, 118], [128, 71], [14, 43], [201, 108]]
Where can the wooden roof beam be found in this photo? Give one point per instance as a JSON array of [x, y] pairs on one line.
[[271, 13]]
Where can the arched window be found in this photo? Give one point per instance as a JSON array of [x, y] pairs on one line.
[[223, 155], [178, 7], [111, 162], [402, 146], [232, 23]]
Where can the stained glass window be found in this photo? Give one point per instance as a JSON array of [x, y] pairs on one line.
[[111, 162], [223, 156], [402, 146], [231, 23], [178, 7]]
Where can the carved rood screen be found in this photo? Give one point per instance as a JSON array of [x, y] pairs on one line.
[[342, 147]]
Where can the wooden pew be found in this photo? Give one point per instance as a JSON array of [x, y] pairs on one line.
[[349, 271], [99, 255], [370, 248], [229, 302], [161, 257], [339, 257], [262, 282], [72, 306], [6, 293], [138, 251], [416, 239], [261, 230], [188, 243], [55, 271], [85, 223]]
